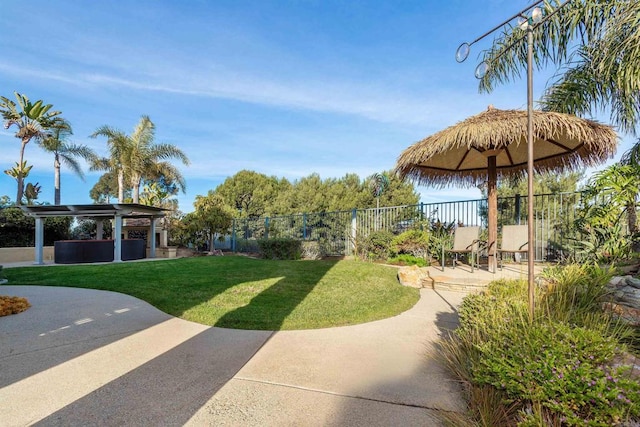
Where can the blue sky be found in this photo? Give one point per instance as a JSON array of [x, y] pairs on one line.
[[284, 88]]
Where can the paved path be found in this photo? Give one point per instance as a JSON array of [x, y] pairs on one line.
[[82, 357]]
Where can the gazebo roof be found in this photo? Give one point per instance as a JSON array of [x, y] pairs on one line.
[[126, 210]]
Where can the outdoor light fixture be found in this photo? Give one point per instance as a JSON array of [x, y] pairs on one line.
[[529, 24]]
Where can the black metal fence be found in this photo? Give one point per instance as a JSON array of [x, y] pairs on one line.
[[336, 232]]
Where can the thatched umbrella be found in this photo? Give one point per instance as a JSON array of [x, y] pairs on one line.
[[493, 144]]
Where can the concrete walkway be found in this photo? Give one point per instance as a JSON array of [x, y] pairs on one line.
[[82, 357]]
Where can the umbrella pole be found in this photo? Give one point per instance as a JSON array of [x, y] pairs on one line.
[[492, 196]]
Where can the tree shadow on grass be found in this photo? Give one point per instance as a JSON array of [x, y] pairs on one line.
[[274, 305]]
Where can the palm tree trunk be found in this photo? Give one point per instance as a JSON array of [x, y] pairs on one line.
[[56, 179], [21, 174], [135, 181], [120, 186]]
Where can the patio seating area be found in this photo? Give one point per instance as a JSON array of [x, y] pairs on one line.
[[461, 278]]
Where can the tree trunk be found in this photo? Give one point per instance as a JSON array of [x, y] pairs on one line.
[[135, 181], [20, 175], [56, 179], [120, 186]]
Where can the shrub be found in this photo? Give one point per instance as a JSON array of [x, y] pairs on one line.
[[376, 246], [281, 248], [411, 242], [311, 250], [559, 369]]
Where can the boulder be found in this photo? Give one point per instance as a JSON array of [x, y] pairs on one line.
[[617, 281], [628, 314], [631, 296], [412, 276], [624, 299], [632, 281]]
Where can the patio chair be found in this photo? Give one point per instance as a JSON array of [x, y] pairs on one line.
[[515, 240], [465, 241]]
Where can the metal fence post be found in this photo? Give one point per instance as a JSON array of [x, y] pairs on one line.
[[517, 209], [354, 229], [233, 236], [266, 227], [304, 226]]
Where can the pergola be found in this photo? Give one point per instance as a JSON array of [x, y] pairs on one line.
[[97, 212]]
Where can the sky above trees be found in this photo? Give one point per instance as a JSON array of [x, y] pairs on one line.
[[284, 88]]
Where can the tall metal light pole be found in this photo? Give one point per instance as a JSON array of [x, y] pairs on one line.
[[531, 22]]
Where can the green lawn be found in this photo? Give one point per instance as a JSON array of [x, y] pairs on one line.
[[244, 293]]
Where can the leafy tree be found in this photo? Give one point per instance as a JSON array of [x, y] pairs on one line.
[[308, 195], [107, 188], [249, 193], [32, 120], [55, 142], [211, 216], [543, 183]]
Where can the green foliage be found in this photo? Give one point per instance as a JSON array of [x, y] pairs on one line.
[[280, 248], [249, 193], [407, 259], [87, 229], [411, 242], [137, 157], [107, 188], [254, 195], [594, 44], [610, 199], [562, 367], [31, 119], [440, 235], [376, 246], [558, 369], [18, 229], [543, 183], [1, 273], [211, 217]]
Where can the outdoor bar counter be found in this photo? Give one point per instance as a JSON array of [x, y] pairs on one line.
[[80, 251]]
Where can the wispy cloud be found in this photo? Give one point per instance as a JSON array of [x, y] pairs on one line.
[[368, 100]]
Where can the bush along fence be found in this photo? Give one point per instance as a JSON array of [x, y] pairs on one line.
[[338, 233]]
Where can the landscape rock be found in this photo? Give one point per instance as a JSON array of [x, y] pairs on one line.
[[624, 299], [630, 315], [631, 296], [412, 276], [632, 281], [616, 281]]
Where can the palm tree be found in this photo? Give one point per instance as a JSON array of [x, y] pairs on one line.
[[146, 157], [136, 157], [55, 142], [595, 44], [32, 120], [118, 144]]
